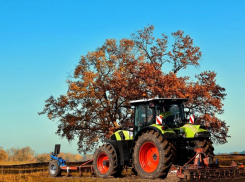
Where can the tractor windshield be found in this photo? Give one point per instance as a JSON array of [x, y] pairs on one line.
[[148, 113], [172, 114]]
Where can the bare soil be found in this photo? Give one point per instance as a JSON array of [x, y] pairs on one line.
[[27, 172], [132, 178]]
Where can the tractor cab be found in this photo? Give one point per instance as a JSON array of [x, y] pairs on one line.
[[161, 111]]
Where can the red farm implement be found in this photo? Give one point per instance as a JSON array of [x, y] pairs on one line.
[[202, 166]]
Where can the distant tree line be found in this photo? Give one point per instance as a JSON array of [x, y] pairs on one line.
[[230, 153], [27, 154]]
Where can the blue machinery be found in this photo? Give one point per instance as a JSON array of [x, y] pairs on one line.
[[54, 156], [57, 164]]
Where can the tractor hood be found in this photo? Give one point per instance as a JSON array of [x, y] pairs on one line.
[[194, 131]]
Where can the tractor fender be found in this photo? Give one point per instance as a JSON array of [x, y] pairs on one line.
[[166, 135]]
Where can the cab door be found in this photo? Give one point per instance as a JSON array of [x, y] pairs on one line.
[[140, 117]]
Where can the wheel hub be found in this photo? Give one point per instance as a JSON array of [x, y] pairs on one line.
[[52, 169], [149, 157], [154, 156], [103, 163]]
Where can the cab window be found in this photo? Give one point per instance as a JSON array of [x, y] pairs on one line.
[[140, 117]]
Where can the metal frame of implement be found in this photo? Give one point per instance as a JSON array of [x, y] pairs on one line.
[[80, 168], [204, 168], [63, 163]]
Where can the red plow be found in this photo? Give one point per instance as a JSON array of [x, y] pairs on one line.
[[83, 168], [205, 168]]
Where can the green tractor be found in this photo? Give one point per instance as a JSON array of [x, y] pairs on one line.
[[161, 136]]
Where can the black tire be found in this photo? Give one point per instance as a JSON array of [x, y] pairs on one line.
[[54, 168], [118, 173], [105, 162], [159, 156], [134, 172], [186, 156], [207, 146], [174, 152]]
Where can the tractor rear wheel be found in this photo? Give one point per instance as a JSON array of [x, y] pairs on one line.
[[153, 155], [105, 162], [186, 156], [54, 168]]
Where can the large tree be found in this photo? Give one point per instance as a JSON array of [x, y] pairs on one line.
[[106, 79]]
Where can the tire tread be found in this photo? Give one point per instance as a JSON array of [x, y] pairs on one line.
[[168, 152]]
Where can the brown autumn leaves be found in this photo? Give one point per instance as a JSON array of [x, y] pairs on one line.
[[117, 72]]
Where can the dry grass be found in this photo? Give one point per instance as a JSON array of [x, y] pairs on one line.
[[40, 174], [27, 174], [44, 177], [227, 159], [15, 162]]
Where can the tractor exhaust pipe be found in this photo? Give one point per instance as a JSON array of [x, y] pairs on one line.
[[56, 150]]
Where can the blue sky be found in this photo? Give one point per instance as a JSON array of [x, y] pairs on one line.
[[41, 43]]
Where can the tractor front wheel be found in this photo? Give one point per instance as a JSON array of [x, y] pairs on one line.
[[105, 162], [153, 155]]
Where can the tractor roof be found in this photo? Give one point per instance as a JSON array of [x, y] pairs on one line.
[[158, 100]]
